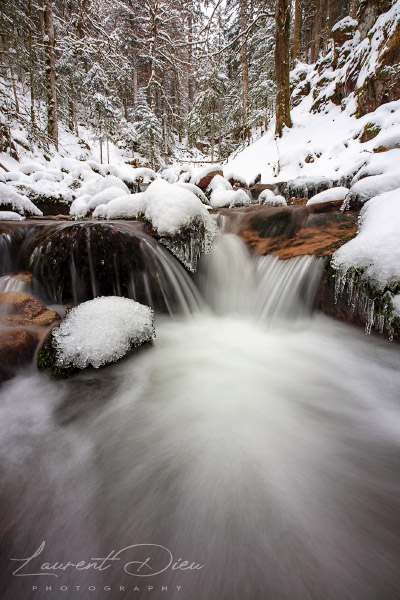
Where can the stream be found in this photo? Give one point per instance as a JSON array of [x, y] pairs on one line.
[[251, 453]]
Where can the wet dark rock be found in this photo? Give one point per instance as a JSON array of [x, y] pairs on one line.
[[257, 188], [342, 307], [47, 361]]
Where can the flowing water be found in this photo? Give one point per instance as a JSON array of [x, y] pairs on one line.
[[256, 440]]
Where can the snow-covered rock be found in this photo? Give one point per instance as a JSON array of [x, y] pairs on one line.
[[124, 207], [97, 183], [346, 23], [106, 195], [175, 214], [236, 178], [219, 184], [337, 194], [9, 215], [169, 175], [268, 198], [369, 187], [229, 198], [195, 190], [80, 206], [202, 177], [18, 202], [102, 331], [171, 208], [376, 248]]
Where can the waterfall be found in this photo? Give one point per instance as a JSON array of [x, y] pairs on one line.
[[235, 282], [74, 262]]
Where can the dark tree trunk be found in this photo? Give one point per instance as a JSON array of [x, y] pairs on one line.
[[282, 66], [297, 30], [245, 69], [49, 44]]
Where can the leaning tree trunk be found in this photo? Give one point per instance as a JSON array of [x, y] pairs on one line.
[[282, 66], [49, 44]]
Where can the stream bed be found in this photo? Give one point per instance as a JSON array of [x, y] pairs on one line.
[[251, 453]]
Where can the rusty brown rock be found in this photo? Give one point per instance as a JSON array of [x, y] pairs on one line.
[[296, 231], [18, 309], [206, 180], [17, 347]]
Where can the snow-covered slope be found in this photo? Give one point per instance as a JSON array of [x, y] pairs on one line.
[[346, 132]]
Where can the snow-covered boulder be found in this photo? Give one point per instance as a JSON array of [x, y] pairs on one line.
[[170, 175], [171, 208], [123, 207], [229, 198], [96, 333], [376, 248], [236, 180], [9, 215], [30, 167], [106, 195], [143, 177], [97, 183], [219, 184], [80, 206], [203, 177], [337, 194], [175, 215], [196, 191], [369, 187], [11, 200], [268, 198]]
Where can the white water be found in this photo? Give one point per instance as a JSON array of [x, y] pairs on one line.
[[254, 438]]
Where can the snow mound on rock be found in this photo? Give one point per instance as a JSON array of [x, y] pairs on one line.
[[170, 208], [19, 203], [332, 195], [102, 331], [124, 207], [268, 198], [229, 198], [370, 187], [376, 249], [8, 215]]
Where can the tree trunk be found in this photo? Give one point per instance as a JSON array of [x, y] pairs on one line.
[[135, 77], [213, 133], [14, 87], [328, 23], [319, 31], [353, 9], [245, 69], [282, 67], [297, 30], [49, 44]]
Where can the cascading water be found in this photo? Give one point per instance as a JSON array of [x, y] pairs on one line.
[[255, 439]]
